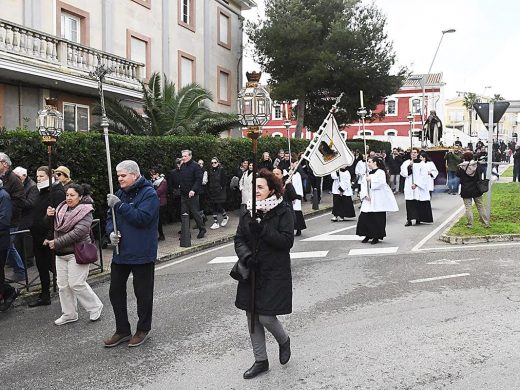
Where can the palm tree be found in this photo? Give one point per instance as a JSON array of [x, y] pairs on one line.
[[470, 98], [166, 111]]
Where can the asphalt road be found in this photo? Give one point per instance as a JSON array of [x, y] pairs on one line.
[[425, 315]]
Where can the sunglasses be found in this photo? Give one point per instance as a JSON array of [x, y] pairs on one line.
[[58, 174], [214, 162]]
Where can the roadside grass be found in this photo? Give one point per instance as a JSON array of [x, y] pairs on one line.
[[505, 214], [508, 172]]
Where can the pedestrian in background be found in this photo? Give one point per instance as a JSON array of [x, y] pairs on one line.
[[278, 158], [453, 159], [62, 174], [246, 186], [72, 224], [516, 163], [342, 205], [217, 185], [272, 234], [191, 182], [161, 188], [377, 199], [42, 229], [136, 209], [7, 292], [203, 193], [265, 162], [470, 173], [393, 162], [296, 180], [174, 192]]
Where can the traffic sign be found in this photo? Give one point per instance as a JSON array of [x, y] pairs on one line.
[[499, 109]]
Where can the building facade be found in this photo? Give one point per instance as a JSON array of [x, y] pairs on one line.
[[389, 121], [48, 48]]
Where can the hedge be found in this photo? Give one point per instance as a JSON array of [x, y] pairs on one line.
[[84, 153]]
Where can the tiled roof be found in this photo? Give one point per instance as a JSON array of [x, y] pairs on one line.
[[414, 80]]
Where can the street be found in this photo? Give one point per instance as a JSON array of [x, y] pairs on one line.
[[409, 313]]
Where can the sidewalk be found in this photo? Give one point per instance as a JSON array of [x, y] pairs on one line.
[[170, 249]]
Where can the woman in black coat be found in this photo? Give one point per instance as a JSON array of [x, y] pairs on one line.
[[217, 193], [41, 230], [272, 234], [470, 173]]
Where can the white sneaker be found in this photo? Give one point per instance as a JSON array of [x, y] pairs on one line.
[[95, 316], [215, 226], [65, 320], [224, 221], [334, 219]]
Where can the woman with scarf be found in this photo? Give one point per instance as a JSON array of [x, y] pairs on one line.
[[342, 205], [72, 224], [161, 187], [262, 244], [470, 172], [377, 199], [41, 229]]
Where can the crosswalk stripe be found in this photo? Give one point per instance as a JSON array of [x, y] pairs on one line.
[[373, 251], [295, 255]]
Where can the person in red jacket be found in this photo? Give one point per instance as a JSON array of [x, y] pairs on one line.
[[161, 187]]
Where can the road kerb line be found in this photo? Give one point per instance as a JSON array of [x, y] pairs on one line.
[[439, 278]]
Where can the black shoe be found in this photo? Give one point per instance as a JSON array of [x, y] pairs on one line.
[[298, 233], [161, 238], [374, 241], [285, 351], [201, 233], [408, 223], [257, 368], [8, 301], [40, 302], [365, 240]]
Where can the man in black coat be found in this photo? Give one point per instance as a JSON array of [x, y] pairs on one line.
[[516, 163], [14, 188], [174, 192], [190, 184], [393, 163]]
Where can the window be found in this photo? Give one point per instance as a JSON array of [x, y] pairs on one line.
[[138, 49], [186, 16], [277, 111], [391, 107], [186, 69], [391, 133], [224, 86], [224, 29], [72, 23], [367, 133], [76, 117], [416, 106], [276, 135]]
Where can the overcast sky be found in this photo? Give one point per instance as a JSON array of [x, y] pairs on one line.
[[483, 52]]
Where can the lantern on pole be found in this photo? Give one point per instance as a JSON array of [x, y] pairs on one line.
[[254, 110], [50, 126]]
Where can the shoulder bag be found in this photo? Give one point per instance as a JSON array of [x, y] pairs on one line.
[[86, 252]]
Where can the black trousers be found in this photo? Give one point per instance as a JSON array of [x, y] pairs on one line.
[[143, 289], [192, 205], [162, 214], [5, 289], [44, 263]]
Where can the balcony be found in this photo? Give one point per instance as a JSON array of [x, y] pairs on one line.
[[48, 61]]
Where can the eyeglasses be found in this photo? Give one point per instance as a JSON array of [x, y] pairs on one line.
[[214, 162]]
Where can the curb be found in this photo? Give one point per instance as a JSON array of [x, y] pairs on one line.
[[101, 277], [479, 239]]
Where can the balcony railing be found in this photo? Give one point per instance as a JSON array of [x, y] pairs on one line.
[[38, 47]]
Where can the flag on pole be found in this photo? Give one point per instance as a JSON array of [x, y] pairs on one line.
[[328, 151]]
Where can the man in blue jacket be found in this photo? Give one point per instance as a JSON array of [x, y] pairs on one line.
[[136, 207], [7, 293]]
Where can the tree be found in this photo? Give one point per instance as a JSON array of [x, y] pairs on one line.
[[496, 98], [470, 99], [166, 111], [316, 49]]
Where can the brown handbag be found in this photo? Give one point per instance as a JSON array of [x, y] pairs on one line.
[[86, 252]]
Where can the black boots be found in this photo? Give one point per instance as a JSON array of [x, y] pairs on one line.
[[285, 351], [257, 368], [41, 301]]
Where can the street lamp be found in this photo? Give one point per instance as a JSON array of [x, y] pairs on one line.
[[254, 110], [425, 79], [50, 126], [287, 125], [410, 118]]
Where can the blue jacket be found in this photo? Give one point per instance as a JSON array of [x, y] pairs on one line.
[[137, 218], [6, 211]]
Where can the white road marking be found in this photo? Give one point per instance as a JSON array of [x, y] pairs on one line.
[[484, 245], [329, 235], [294, 255], [436, 230], [169, 264], [373, 251], [450, 262], [438, 278]]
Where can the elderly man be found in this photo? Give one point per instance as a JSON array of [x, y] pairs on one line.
[[191, 182], [136, 208], [14, 188]]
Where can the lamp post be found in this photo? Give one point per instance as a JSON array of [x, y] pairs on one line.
[[50, 126], [99, 73], [287, 125], [254, 110], [425, 77], [410, 118]]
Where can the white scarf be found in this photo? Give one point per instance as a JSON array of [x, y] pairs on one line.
[[265, 205], [43, 184]]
